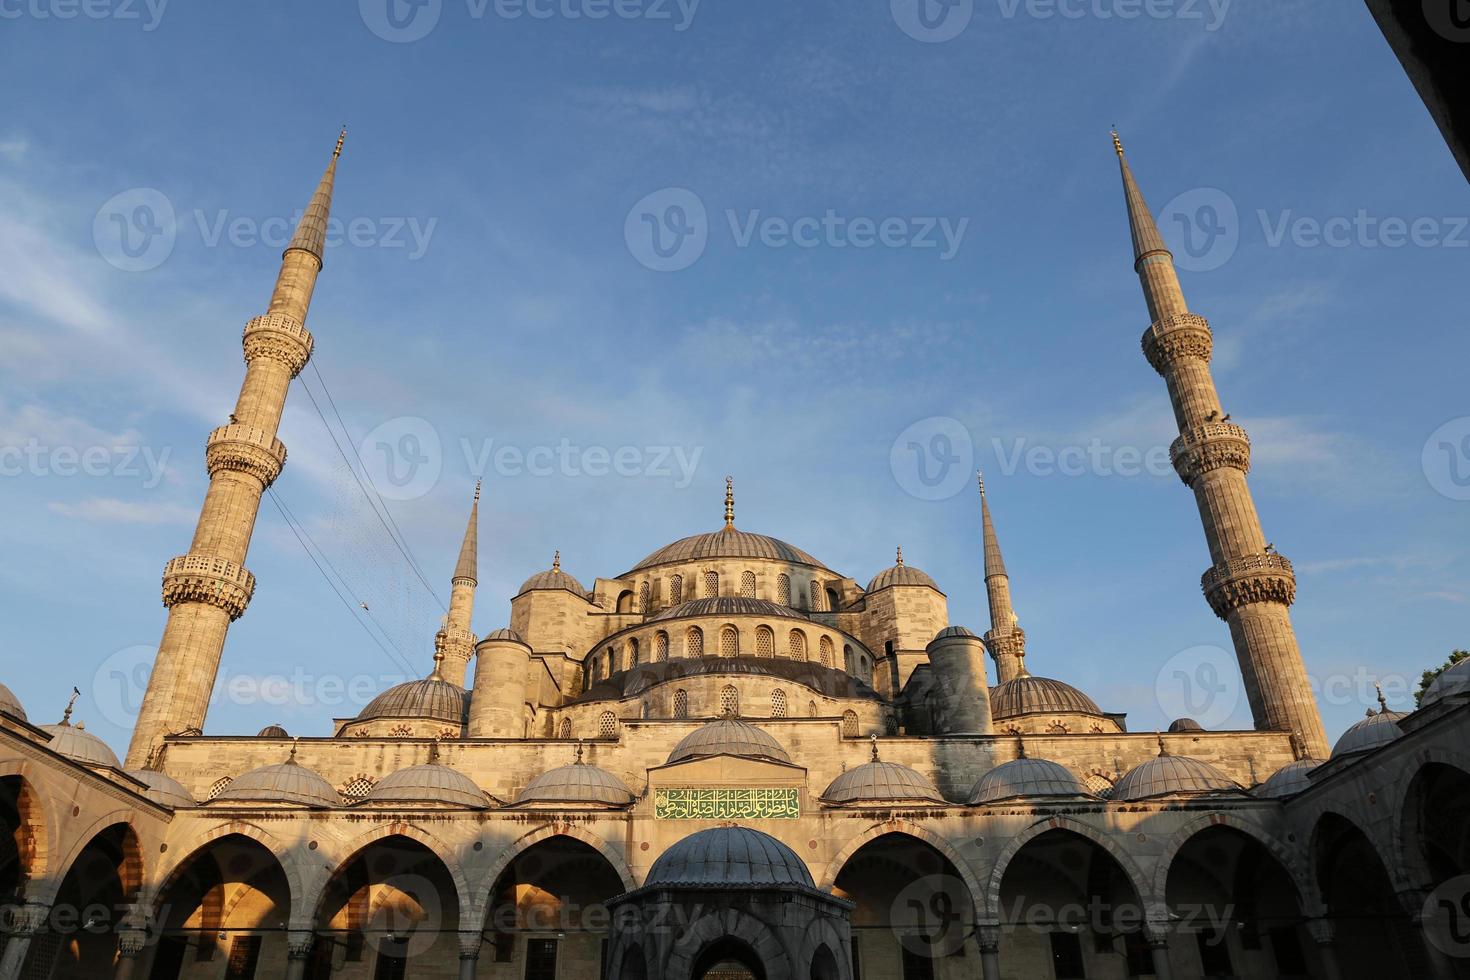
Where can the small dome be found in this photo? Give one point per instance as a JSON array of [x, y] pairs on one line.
[[75, 742], [576, 783], [286, 782], [1185, 725], [1289, 780], [1454, 680], [1027, 695], [1172, 775], [431, 698], [10, 704], [901, 574], [950, 632], [430, 783], [731, 856], [726, 543], [163, 788], [882, 782], [727, 606], [272, 731], [509, 635], [729, 736], [1378, 729], [553, 579], [1027, 779]]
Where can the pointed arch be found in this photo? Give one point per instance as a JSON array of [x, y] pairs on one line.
[[1298, 873], [943, 846], [479, 909], [32, 812], [133, 878], [723, 925], [990, 909], [335, 858], [285, 857], [1405, 786]]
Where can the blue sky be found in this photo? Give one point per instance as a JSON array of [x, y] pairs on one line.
[[494, 291]]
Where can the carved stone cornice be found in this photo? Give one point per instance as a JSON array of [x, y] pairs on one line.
[[279, 337], [245, 449], [1209, 446], [1247, 580], [1173, 337], [205, 578]]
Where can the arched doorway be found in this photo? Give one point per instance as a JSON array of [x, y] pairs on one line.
[[1436, 849], [227, 903], [1068, 909], [728, 959], [824, 964], [79, 939], [1236, 910], [914, 916], [1373, 935], [390, 911], [21, 834], [548, 913]]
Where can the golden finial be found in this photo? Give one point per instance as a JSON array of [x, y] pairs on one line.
[[556, 562], [1117, 142], [579, 752], [980, 476], [437, 674], [900, 556], [291, 759], [66, 715], [477, 490], [729, 503], [341, 138], [1163, 750]]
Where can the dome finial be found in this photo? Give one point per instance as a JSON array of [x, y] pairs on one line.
[[1020, 746], [437, 674], [341, 138], [556, 561], [1117, 141], [1163, 749], [729, 503], [874, 738], [900, 556], [66, 715], [1382, 701], [291, 759], [579, 761]]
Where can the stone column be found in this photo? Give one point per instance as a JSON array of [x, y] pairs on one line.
[[1324, 934], [298, 952], [25, 921], [469, 954], [1157, 934], [989, 939], [130, 946]]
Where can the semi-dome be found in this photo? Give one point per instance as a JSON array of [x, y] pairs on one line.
[[1179, 725], [1454, 680], [553, 579], [882, 782], [1027, 695], [726, 543], [272, 731], [10, 704], [76, 743], [901, 574], [1172, 775], [729, 856], [729, 736], [431, 698], [577, 783], [1289, 780], [428, 783], [162, 788], [723, 606], [1027, 778], [1378, 729], [505, 635], [285, 782], [950, 632]]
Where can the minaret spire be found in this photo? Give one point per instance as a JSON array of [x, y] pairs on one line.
[[1006, 641], [1249, 585], [209, 587], [454, 644]]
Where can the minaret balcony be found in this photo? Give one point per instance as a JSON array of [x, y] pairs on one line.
[[208, 579], [245, 449], [1176, 336], [279, 337], [1249, 579], [1210, 446]]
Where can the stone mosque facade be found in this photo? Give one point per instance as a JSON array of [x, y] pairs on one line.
[[734, 762]]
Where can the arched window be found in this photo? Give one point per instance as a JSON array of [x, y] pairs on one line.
[[832, 601], [783, 589], [566, 728], [660, 646], [681, 704], [219, 786], [778, 703], [890, 724], [864, 671], [625, 601], [729, 642], [816, 595], [676, 590], [1056, 728], [765, 642], [358, 787], [632, 653], [825, 646], [796, 645], [644, 605], [747, 585], [401, 731], [850, 724], [694, 642], [607, 725], [847, 662], [729, 702], [711, 585]]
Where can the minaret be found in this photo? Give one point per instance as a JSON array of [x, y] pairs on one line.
[[1249, 585], [209, 588], [455, 641], [1006, 641]]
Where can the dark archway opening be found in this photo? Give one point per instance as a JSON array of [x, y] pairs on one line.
[[1437, 820], [79, 939], [824, 965], [728, 959], [1374, 937]]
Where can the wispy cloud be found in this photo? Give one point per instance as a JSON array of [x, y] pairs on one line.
[[111, 510]]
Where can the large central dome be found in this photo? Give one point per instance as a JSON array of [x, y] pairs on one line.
[[726, 543]]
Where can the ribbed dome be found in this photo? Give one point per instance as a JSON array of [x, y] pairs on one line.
[[729, 856], [728, 606], [1027, 779], [75, 742], [1455, 680], [272, 731], [551, 580], [1379, 728], [431, 698], [576, 783], [901, 574], [949, 632], [285, 782], [10, 704], [430, 783], [882, 782], [163, 788], [1026, 695], [509, 635], [1172, 775], [726, 543], [1289, 780], [728, 736], [1185, 725]]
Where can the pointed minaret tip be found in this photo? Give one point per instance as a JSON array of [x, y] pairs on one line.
[[468, 565], [1146, 238], [994, 562], [1117, 143], [311, 233], [341, 138]]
